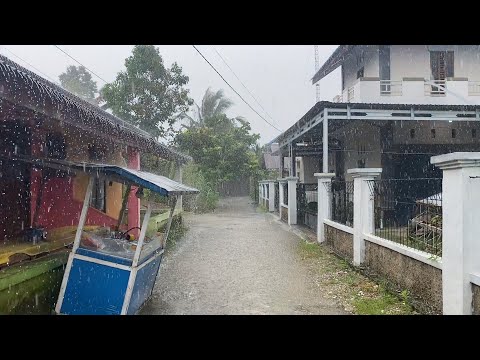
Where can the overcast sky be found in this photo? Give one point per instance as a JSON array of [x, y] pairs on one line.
[[279, 76]]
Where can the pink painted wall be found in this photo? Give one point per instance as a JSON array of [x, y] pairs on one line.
[[59, 208], [133, 201]]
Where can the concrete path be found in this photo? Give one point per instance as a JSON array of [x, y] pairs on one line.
[[237, 261]]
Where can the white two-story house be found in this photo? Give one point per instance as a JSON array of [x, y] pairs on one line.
[[400, 105]]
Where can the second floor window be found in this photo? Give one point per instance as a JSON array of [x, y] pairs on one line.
[[360, 73], [441, 64]]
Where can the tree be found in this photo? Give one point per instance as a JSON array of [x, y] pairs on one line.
[[213, 103], [223, 148], [78, 80], [147, 94]]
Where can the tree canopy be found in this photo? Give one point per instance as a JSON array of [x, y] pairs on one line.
[[223, 148], [78, 80], [148, 94]]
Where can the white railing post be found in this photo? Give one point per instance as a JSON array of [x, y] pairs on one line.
[[259, 193], [281, 200], [363, 210], [271, 196], [292, 200], [460, 219], [324, 203]]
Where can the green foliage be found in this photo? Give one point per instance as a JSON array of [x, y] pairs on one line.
[[223, 148], [148, 94], [213, 104], [207, 199], [79, 81]]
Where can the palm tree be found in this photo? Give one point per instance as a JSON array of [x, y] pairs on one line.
[[213, 103]]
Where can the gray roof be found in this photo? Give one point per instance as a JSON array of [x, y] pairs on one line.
[[28, 89], [334, 61]]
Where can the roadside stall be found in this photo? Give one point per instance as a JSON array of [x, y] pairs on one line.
[[109, 271]]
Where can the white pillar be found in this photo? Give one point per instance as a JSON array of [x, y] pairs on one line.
[[292, 200], [363, 210], [271, 196], [325, 140], [259, 193], [460, 221], [324, 203], [179, 178], [281, 184]]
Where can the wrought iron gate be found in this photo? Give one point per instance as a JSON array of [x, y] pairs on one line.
[[307, 197]]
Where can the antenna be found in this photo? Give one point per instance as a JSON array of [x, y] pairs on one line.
[[317, 67]]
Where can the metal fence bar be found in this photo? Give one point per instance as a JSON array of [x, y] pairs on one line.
[[342, 201], [409, 212]]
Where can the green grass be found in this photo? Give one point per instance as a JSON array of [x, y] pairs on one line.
[[356, 291]]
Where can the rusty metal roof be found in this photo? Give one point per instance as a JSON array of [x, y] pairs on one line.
[[28, 89]]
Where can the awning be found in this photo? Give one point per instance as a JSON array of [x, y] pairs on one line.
[[156, 183]]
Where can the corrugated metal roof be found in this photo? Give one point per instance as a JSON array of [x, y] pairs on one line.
[[157, 183], [435, 200], [30, 88]]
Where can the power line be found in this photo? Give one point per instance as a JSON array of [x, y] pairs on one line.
[[233, 72], [33, 67], [78, 62], [240, 96]]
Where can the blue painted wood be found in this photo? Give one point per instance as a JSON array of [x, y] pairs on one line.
[[144, 282], [94, 289]]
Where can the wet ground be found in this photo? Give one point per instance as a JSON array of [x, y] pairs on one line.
[[237, 261]]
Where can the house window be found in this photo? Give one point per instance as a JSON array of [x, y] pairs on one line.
[[360, 58], [433, 132], [474, 133], [361, 163], [97, 200], [412, 133], [442, 64], [384, 62], [360, 73], [454, 133]]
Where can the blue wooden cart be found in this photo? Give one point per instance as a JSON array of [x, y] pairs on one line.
[[118, 278]]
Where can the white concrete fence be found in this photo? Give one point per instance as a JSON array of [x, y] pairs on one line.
[[460, 262]]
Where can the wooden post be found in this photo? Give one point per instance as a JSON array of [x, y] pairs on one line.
[[83, 215], [169, 223], [143, 231], [124, 206]]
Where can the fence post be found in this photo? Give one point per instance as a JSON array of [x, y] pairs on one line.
[[281, 183], [363, 210], [324, 203], [460, 218], [271, 196], [292, 200], [259, 192]]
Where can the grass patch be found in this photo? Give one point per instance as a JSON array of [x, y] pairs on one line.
[[340, 280]]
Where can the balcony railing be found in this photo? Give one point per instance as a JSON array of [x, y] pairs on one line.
[[412, 90], [474, 88], [435, 87], [390, 87], [338, 99], [350, 94]]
